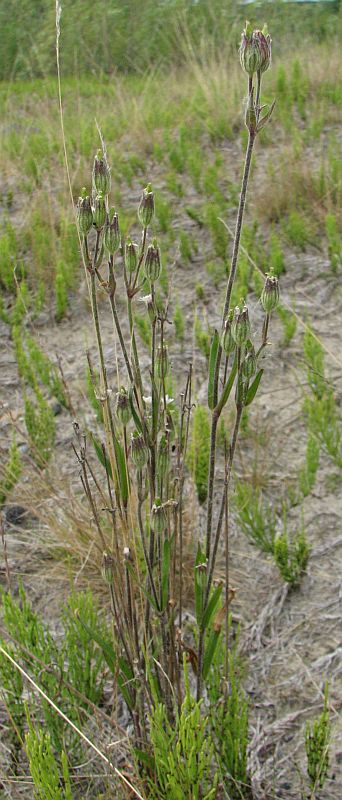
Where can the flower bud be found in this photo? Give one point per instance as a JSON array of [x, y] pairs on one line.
[[250, 362], [112, 233], [152, 262], [158, 517], [241, 328], [99, 212], [131, 256], [255, 50], [227, 340], [162, 361], [107, 568], [123, 407], [163, 459], [146, 207], [270, 294], [139, 451], [84, 213], [101, 174]]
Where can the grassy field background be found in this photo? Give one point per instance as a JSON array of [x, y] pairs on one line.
[[163, 83]]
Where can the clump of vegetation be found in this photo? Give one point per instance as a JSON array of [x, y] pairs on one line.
[[317, 739], [291, 557], [11, 473]]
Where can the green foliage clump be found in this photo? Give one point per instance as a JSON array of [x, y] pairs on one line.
[[317, 739], [41, 427], [11, 472], [256, 517], [179, 323], [44, 767], [334, 241], [202, 338], [276, 255], [183, 752], [199, 451], [297, 230], [308, 473], [291, 557], [289, 322], [61, 292], [229, 720], [320, 406], [8, 256], [85, 660]]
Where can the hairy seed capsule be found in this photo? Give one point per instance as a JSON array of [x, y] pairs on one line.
[[241, 328], [112, 234], [152, 263], [146, 207], [131, 256], [84, 213], [227, 340], [107, 568], [101, 174], [123, 406], [158, 517], [163, 459], [270, 294], [99, 212], [139, 451], [249, 364]]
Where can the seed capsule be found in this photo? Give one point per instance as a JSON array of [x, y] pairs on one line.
[[84, 213], [146, 207], [241, 328], [158, 517], [131, 256], [101, 174], [250, 363], [99, 212], [139, 451], [123, 407], [163, 459], [227, 340], [107, 568], [112, 233], [270, 294], [152, 262]]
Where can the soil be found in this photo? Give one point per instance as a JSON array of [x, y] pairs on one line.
[[291, 639]]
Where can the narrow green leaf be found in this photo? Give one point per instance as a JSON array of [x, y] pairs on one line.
[[166, 561], [106, 647], [212, 368], [210, 652], [228, 387], [212, 606], [253, 388], [122, 471], [199, 584], [104, 460]]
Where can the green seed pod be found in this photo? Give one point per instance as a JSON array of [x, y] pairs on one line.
[[146, 207], [107, 570], [152, 262], [158, 517], [227, 340], [101, 174], [139, 450], [123, 407], [241, 328], [270, 294], [99, 212], [112, 234], [162, 362], [131, 256], [163, 458], [249, 364], [84, 213]]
